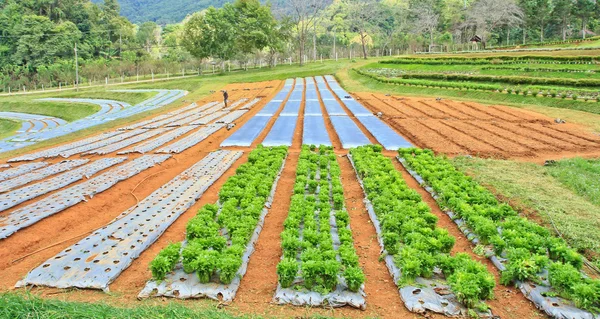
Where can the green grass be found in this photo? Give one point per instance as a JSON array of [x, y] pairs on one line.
[[531, 187], [18, 305], [66, 111], [8, 127], [582, 176], [15, 306], [132, 98]]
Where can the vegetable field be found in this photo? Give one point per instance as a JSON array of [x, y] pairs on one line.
[[297, 198]]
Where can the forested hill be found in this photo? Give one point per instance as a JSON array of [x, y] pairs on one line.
[[162, 11], [168, 11]]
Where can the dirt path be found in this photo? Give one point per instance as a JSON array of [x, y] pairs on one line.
[[383, 299]]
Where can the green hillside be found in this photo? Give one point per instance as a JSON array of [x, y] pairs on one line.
[[162, 11], [171, 11]]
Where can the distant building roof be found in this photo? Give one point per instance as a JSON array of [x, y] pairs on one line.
[[476, 39]]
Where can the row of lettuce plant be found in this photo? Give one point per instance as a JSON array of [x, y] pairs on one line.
[[410, 234], [310, 258], [528, 248], [217, 237], [534, 91]]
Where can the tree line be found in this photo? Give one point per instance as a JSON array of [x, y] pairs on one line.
[[38, 37]]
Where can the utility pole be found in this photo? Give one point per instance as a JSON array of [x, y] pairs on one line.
[[121, 44], [334, 51], [76, 68]]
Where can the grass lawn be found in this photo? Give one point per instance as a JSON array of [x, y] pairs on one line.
[[532, 188], [18, 305], [66, 111], [8, 127], [582, 176], [132, 98]]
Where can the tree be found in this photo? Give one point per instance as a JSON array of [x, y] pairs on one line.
[[426, 21], [489, 15], [254, 25], [584, 9], [304, 15], [363, 16], [210, 34], [563, 13], [240, 28], [146, 35]]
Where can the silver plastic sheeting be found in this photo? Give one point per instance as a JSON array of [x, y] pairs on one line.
[[159, 141], [313, 108], [282, 132], [205, 119], [356, 108], [33, 122], [19, 170], [102, 143], [40, 174], [18, 196], [71, 196], [247, 133], [383, 133], [555, 307], [270, 109], [128, 142], [311, 90], [273, 106], [291, 108], [179, 284], [334, 108], [97, 260], [168, 115], [348, 132], [315, 132], [232, 117], [298, 92], [296, 95], [163, 97], [424, 297], [191, 140], [186, 121], [172, 119], [250, 104], [55, 151], [235, 104]]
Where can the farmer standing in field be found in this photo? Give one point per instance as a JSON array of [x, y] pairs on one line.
[[225, 97]]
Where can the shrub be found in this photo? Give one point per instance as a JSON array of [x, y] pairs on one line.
[[165, 261], [287, 270], [354, 278], [228, 268]]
